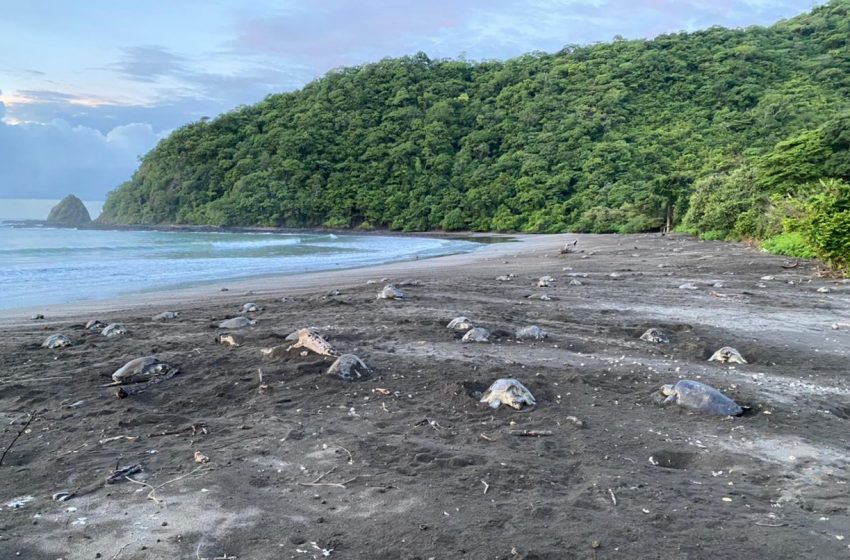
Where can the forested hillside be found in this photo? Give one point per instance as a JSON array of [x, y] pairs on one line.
[[744, 127]]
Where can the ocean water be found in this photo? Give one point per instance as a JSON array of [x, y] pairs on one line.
[[43, 266]]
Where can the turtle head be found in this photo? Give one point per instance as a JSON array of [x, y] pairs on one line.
[[668, 390]]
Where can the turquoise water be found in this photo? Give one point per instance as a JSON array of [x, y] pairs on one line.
[[42, 266]]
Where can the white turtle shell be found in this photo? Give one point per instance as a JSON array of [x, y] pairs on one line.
[[727, 355], [460, 324], [510, 392]]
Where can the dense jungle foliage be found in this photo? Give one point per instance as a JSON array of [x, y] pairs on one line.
[[724, 133]]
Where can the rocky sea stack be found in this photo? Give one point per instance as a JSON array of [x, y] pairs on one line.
[[69, 212]]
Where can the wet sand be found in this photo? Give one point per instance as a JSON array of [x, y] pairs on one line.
[[407, 464]]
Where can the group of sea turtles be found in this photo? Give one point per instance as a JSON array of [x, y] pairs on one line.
[[139, 373]]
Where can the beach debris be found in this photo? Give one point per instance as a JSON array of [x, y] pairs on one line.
[[701, 398], [115, 329], [95, 325], [545, 281], [390, 292], [836, 326], [460, 324], [121, 473], [19, 502], [310, 340], [200, 458], [789, 264], [350, 368], [509, 392], [688, 286], [142, 370], [62, 496], [229, 339], [237, 323], [656, 336], [823, 290], [505, 278], [56, 341], [727, 355], [532, 332], [477, 334], [38, 317], [531, 433], [166, 316], [575, 282], [18, 435], [768, 278], [252, 307]]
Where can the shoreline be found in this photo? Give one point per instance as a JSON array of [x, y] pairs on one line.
[[280, 285]]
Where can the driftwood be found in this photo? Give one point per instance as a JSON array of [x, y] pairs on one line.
[[20, 433]]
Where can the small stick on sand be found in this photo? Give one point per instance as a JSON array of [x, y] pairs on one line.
[[486, 486], [613, 497], [350, 456], [20, 433], [193, 427], [318, 482], [116, 438], [155, 488], [36, 379], [485, 438], [530, 433], [120, 550], [770, 524]]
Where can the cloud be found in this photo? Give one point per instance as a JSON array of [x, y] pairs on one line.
[[325, 33], [53, 159], [147, 63]]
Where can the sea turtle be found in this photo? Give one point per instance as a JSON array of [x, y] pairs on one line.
[[477, 334], [532, 332], [141, 370], [700, 397], [297, 333], [390, 292], [237, 323], [350, 368], [252, 308], [655, 335], [727, 355], [310, 340], [229, 339], [545, 281], [510, 392], [505, 277], [56, 341], [95, 325], [460, 324], [575, 282], [166, 316], [114, 329], [688, 286]]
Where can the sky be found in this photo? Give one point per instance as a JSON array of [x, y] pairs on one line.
[[86, 88]]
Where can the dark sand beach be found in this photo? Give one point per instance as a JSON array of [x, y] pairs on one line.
[[408, 464]]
